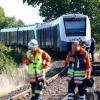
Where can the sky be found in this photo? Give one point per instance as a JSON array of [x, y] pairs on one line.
[[28, 14]]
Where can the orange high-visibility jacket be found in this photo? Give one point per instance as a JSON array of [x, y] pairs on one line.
[[45, 57], [87, 62]]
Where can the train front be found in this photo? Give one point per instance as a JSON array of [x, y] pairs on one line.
[[76, 28]]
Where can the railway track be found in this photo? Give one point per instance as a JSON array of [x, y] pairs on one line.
[[56, 88], [24, 92], [94, 92]]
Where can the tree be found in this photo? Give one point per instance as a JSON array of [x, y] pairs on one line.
[[2, 18], [12, 22], [20, 23], [51, 9], [6, 21]]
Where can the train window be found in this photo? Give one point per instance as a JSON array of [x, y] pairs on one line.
[[20, 37], [2, 37], [25, 41], [44, 37], [30, 35], [48, 37], [6, 38], [13, 37], [41, 34], [75, 26], [38, 37]]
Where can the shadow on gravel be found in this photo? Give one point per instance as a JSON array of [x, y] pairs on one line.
[[64, 74], [58, 97], [90, 96], [53, 72]]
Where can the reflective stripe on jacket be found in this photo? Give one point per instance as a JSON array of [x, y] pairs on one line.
[[77, 69]]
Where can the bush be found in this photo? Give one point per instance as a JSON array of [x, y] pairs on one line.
[[98, 47], [97, 37], [8, 62]]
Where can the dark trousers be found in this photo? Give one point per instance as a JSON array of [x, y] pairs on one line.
[[92, 56], [36, 90], [71, 88]]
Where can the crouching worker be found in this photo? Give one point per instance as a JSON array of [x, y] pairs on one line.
[[79, 71], [37, 62]]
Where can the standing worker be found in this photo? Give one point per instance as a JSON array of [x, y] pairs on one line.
[[37, 62], [79, 71], [92, 48]]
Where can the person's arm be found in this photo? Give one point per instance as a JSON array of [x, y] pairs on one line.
[[26, 60], [68, 59], [46, 63], [88, 67], [46, 60]]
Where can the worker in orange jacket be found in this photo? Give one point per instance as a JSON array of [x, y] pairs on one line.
[[79, 70], [37, 62]]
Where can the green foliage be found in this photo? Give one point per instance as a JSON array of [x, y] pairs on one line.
[[9, 59], [7, 64], [17, 55], [2, 18], [98, 47], [12, 22], [20, 23], [97, 37], [8, 21], [51, 9]]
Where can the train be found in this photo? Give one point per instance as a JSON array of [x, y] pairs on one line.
[[56, 35]]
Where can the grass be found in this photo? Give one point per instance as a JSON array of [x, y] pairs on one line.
[[11, 76], [3, 93]]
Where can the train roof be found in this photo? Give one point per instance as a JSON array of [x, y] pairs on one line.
[[43, 25], [67, 15], [27, 28], [9, 30], [74, 15]]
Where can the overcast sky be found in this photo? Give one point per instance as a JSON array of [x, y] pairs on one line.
[[16, 8]]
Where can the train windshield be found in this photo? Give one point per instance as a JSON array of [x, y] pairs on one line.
[[75, 26]]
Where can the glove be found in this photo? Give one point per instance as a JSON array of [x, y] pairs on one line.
[[88, 82], [31, 58]]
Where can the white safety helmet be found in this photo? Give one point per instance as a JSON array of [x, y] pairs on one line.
[[32, 44], [76, 42]]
